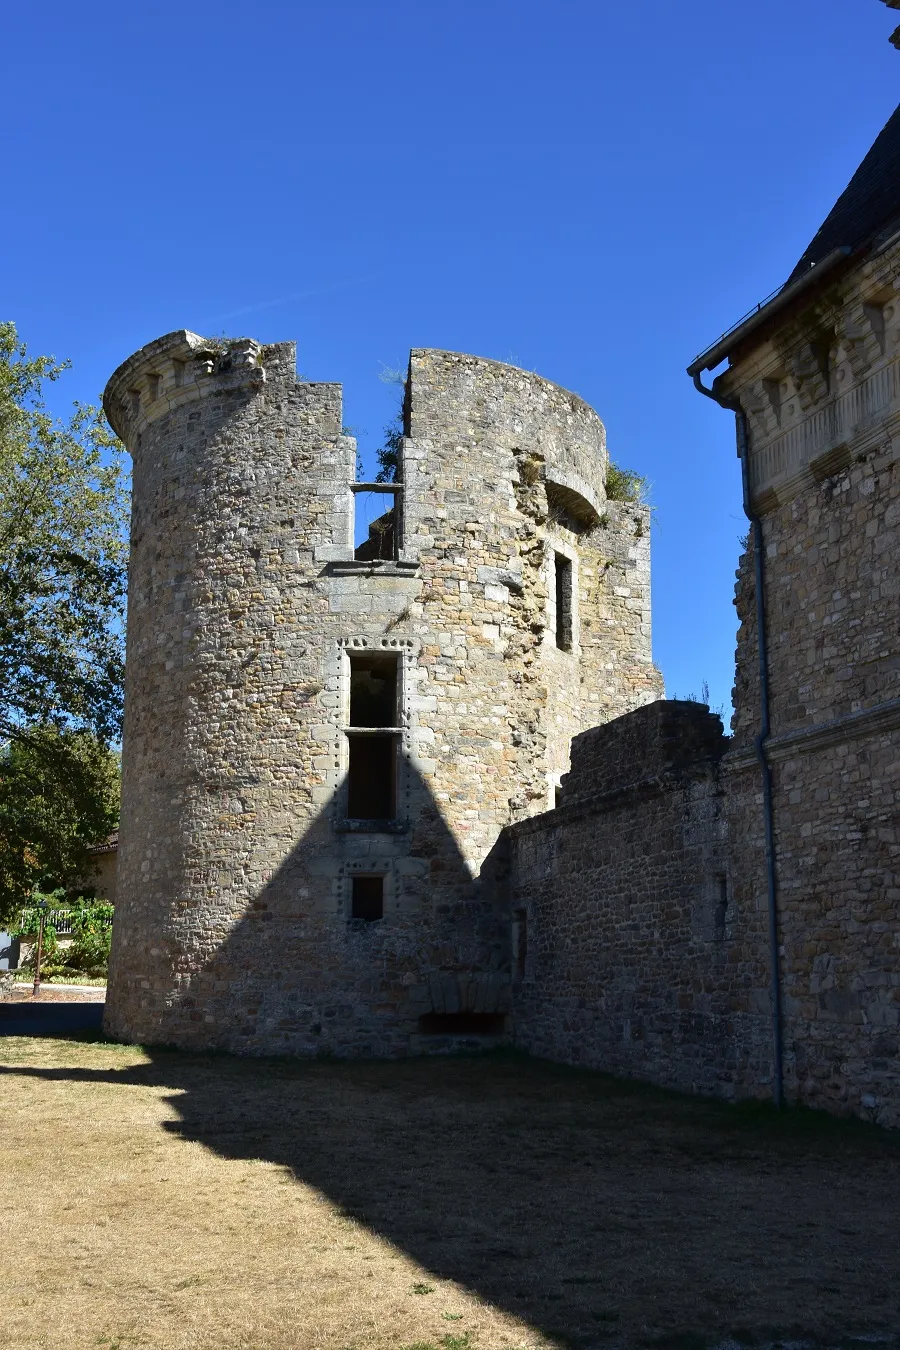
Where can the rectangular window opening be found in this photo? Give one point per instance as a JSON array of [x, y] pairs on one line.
[[720, 914], [520, 940], [367, 898], [373, 689], [372, 777], [563, 571], [462, 1024], [375, 524]]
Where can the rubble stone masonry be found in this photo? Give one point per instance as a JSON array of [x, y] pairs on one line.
[[822, 395], [240, 856], [630, 955], [626, 929], [627, 960]]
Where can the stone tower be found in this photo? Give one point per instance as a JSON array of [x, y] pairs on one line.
[[323, 743]]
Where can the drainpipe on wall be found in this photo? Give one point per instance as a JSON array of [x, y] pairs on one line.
[[743, 449]]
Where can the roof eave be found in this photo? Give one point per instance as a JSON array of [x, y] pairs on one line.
[[725, 345]]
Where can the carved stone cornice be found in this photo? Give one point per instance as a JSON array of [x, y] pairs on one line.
[[824, 442]]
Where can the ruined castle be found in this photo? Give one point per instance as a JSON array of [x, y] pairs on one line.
[[425, 791]]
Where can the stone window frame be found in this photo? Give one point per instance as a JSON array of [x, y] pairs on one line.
[[337, 493], [554, 545], [368, 867], [393, 490], [404, 649]]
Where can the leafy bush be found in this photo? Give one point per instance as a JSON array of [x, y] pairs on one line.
[[624, 485], [88, 953], [91, 937]]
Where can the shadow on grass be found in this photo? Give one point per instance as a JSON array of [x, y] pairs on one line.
[[599, 1211]]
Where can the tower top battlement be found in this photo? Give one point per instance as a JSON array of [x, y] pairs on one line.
[[183, 366], [471, 399]]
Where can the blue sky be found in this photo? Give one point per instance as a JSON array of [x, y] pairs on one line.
[[588, 189]]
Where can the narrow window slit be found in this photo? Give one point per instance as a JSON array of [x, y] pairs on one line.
[[720, 914], [563, 572], [520, 940]]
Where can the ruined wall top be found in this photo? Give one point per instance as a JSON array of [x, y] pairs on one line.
[[668, 737], [451, 396], [476, 399]]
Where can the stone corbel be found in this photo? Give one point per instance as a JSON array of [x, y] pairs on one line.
[[767, 405], [809, 370], [856, 348]]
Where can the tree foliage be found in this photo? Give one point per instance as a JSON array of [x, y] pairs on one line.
[[63, 504], [63, 507], [388, 455], [59, 796]]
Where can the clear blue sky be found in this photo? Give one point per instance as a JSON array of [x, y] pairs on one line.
[[593, 190]]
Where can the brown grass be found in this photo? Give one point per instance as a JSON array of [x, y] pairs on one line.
[[177, 1201]]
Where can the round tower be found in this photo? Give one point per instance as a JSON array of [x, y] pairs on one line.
[[324, 742]]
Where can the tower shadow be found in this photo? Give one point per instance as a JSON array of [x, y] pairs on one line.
[[597, 1211], [301, 971]]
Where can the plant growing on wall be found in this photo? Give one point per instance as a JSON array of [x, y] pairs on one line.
[[624, 485]]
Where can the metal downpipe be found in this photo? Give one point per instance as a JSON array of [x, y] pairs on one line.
[[743, 446]]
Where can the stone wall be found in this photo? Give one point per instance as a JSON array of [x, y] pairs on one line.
[[835, 752], [247, 608], [630, 955], [821, 390]]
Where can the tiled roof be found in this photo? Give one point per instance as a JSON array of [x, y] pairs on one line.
[[869, 203]]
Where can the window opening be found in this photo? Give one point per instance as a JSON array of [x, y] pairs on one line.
[[372, 777], [373, 689], [376, 517], [563, 569], [520, 940], [367, 898], [721, 910]]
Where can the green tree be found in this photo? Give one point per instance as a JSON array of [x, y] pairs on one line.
[[388, 456], [59, 795], [63, 505]]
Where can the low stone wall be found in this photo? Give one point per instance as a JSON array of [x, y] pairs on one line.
[[629, 956], [7, 983]]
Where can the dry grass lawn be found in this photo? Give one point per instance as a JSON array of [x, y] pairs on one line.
[[186, 1202]]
